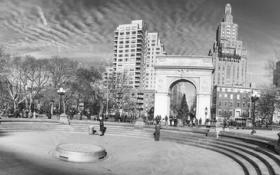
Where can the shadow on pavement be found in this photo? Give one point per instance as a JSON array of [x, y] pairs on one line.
[[3, 133], [14, 163]]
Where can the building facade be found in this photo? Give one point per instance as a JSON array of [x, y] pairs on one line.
[[155, 48], [130, 47], [229, 54], [231, 102], [135, 52]]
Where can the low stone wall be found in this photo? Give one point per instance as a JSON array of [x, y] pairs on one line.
[[257, 140]]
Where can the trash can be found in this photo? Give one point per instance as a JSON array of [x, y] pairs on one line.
[[90, 129]]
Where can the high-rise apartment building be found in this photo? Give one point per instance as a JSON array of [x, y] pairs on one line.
[[155, 48], [229, 54], [135, 52], [130, 48]]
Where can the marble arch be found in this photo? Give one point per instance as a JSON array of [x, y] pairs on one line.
[[194, 69]]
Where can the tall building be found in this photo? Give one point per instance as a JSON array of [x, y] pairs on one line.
[[155, 48], [231, 96], [229, 54], [276, 75], [130, 47], [135, 52]]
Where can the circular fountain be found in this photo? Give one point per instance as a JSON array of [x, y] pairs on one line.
[[79, 152]]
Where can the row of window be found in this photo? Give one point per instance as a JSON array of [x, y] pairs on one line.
[[230, 104], [127, 33]]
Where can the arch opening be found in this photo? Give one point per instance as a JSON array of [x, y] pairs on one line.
[[183, 100]]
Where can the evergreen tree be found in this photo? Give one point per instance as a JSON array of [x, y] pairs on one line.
[[184, 109]]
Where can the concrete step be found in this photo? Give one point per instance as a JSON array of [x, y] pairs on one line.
[[247, 164], [263, 162]]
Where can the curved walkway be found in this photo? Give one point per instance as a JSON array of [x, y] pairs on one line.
[[176, 151]]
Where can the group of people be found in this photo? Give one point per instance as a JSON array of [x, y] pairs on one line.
[[174, 121]]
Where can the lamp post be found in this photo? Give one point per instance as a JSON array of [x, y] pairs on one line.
[[107, 101], [254, 97], [206, 112], [61, 92], [51, 110]]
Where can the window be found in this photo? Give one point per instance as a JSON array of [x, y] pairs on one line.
[[231, 96], [238, 97], [226, 95]]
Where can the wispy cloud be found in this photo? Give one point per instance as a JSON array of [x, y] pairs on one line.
[[84, 28]]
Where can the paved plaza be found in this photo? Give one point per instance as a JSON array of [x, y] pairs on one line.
[[33, 153]]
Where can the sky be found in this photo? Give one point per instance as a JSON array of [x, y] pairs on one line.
[[83, 29]]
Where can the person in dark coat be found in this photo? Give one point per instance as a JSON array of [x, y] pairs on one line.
[[175, 121], [166, 120], [157, 129], [170, 120], [102, 128]]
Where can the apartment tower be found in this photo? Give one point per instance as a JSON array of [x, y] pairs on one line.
[[129, 53]]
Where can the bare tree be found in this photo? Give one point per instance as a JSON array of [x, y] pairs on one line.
[[267, 104], [62, 70], [121, 95]]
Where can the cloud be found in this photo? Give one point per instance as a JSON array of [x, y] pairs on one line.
[[85, 28]]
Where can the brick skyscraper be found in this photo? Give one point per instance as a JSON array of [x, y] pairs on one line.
[[229, 54]]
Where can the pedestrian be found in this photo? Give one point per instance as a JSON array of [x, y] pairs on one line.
[[170, 120], [175, 120], [196, 122], [102, 128], [157, 129], [166, 120], [200, 121], [224, 124]]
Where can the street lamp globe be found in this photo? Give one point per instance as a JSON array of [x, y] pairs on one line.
[[61, 91]]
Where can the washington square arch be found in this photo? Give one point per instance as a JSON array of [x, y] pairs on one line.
[[195, 70]]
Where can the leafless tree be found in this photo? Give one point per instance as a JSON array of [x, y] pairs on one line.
[[62, 70]]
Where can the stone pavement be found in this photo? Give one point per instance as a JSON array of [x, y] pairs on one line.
[[33, 154]]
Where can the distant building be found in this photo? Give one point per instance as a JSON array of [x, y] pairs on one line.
[[229, 54], [155, 48], [231, 102], [276, 75]]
